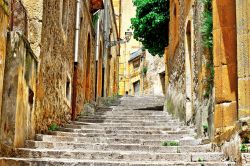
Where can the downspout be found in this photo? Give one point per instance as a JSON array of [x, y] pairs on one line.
[[97, 56], [74, 93]]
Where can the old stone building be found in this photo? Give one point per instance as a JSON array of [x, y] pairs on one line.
[[186, 62], [4, 15], [208, 87], [57, 59], [139, 72]]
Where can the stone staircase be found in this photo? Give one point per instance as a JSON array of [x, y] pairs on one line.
[[120, 136], [246, 156]]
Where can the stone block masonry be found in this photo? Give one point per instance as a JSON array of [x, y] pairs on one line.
[[3, 44], [53, 104], [225, 55], [19, 90], [186, 61]]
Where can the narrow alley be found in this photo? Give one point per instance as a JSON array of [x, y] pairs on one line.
[[133, 133], [124, 83]]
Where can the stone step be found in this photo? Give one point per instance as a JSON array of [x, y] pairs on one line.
[[119, 155], [159, 122], [245, 158], [78, 126], [134, 136], [121, 124], [127, 118], [120, 147], [156, 142], [101, 131], [115, 131], [131, 112], [73, 162]]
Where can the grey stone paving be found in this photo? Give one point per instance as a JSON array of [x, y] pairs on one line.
[[121, 136]]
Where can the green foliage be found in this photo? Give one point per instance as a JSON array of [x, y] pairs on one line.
[[53, 127], [170, 143], [95, 20], [144, 70], [200, 159], [244, 148], [207, 24], [210, 80], [205, 126], [151, 24]]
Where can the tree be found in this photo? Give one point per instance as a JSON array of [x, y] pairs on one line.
[[151, 24]]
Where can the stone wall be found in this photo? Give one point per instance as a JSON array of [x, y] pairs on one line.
[[17, 124], [35, 16], [86, 62], [3, 42], [56, 64], [152, 83], [186, 61], [225, 63], [243, 58], [111, 53]]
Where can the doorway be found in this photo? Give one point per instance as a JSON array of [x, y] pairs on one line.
[[136, 88]]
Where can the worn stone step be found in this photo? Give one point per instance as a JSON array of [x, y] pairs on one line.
[[78, 126], [102, 131], [245, 158], [131, 112], [115, 131], [121, 147], [72, 162], [159, 122], [119, 155], [191, 142], [135, 136], [150, 142], [95, 115], [162, 118], [121, 124], [93, 120]]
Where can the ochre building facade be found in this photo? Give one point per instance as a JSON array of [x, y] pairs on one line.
[[209, 87], [56, 62]]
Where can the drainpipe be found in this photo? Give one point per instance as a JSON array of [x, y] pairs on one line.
[[97, 55], [97, 37], [74, 93]]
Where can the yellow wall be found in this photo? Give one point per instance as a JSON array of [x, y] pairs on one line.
[[128, 11]]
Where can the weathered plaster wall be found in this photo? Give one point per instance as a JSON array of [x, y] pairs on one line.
[[56, 64], [17, 122]]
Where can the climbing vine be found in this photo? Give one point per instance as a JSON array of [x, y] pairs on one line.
[[151, 24]]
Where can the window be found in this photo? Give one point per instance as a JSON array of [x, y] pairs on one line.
[[136, 64]]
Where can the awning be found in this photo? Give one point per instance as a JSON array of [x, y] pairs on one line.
[[96, 5]]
